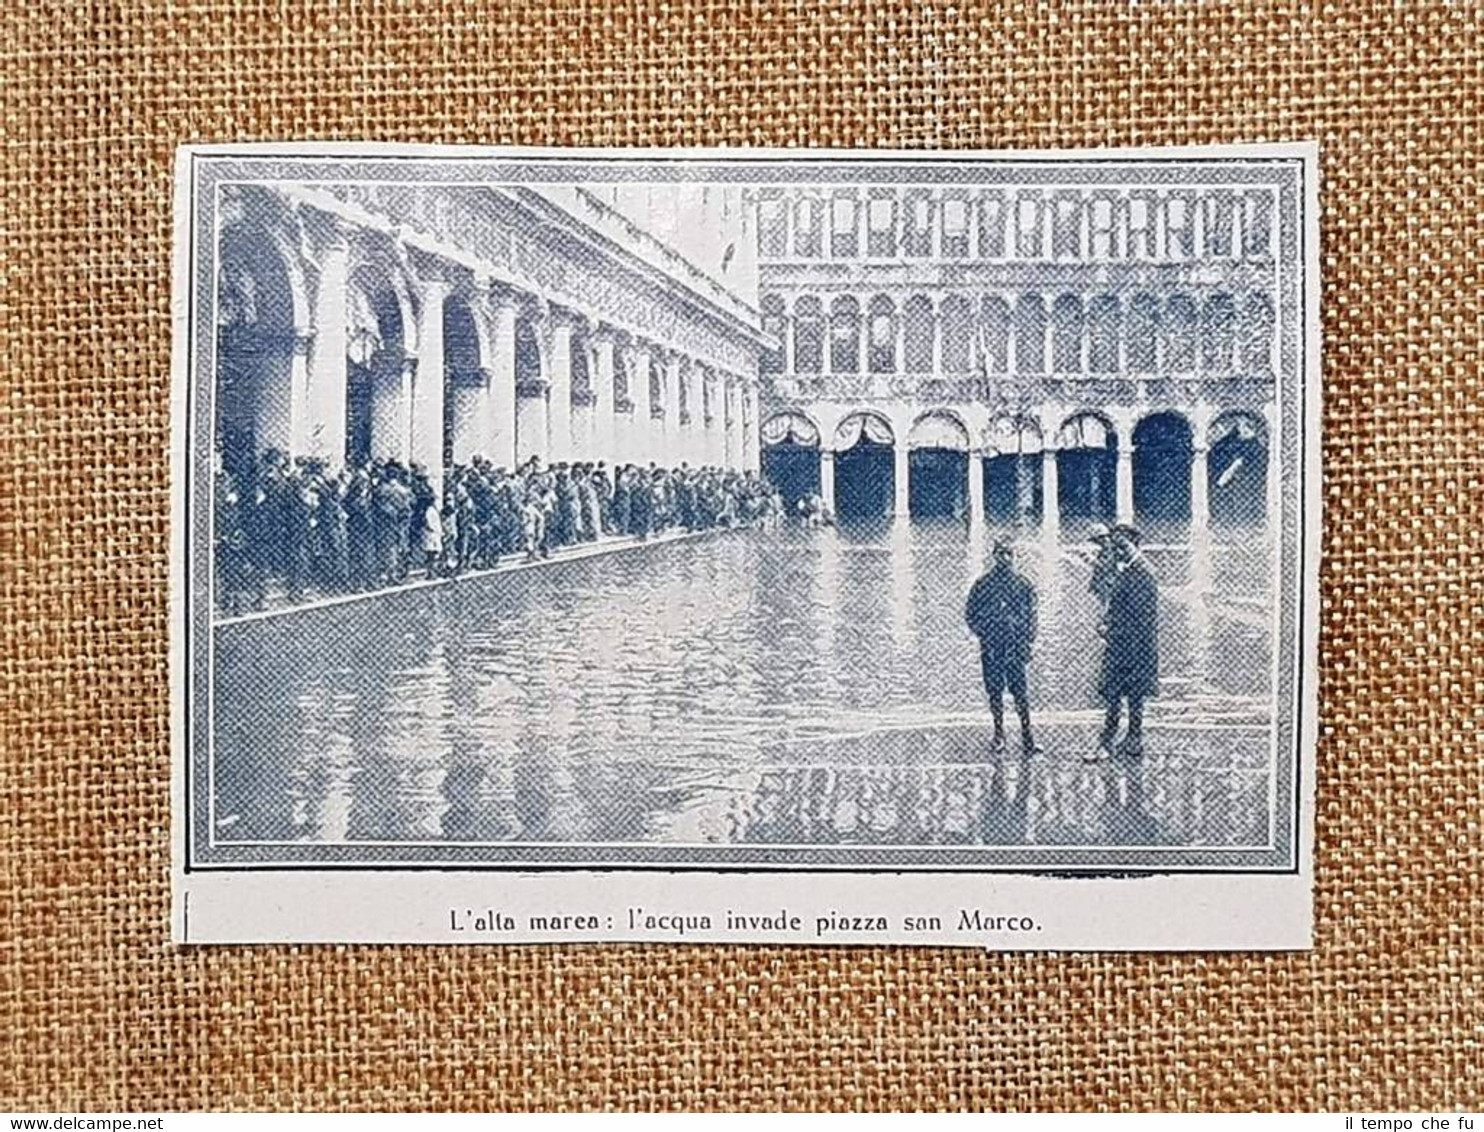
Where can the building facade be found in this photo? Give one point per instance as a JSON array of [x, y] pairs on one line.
[[433, 324], [1022, 354]]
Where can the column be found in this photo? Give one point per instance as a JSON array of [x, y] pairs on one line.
[[672, 432], [976, 487], [901, 472], [715, 413], [1050, 490], [639, 446], [601, 439], [733, 455], [532, 428], [1200, 497], [1125, 496], [752, 455], [827, 478], [326, 362], [427, 386], [499, 423], [299, 344], [559, 390]]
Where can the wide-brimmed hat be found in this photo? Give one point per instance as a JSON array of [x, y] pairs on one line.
[[1129, 532], [1100, 532]]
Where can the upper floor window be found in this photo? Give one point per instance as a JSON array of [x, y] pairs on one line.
[[1100, 225], [1140, 227], [808, 223], [844, 234], [1219, 214], [772, 228], [992, 226], [1179, 229], [917, 234], [881, 226], [1066, 235], [1028, 226], [1257, 223], [883, 335], [808, 335], [955, 229], [774, 323]]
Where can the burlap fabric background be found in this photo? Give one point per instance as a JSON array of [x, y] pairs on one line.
[[98, 1011]]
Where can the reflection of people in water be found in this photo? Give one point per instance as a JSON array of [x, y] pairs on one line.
[[1001, 612], [1130, 668]]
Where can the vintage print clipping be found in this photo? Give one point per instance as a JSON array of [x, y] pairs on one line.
[[805, 547]]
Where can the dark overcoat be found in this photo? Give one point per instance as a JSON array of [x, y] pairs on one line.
[[1001, 612], [1131, 645]]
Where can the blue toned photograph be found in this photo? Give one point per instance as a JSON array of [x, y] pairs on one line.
[[832, 511]]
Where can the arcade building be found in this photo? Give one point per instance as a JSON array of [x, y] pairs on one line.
[[433, 324], [1028, 356]]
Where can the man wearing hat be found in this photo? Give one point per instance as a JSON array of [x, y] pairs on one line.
[[1130, 668], [1001, 612]]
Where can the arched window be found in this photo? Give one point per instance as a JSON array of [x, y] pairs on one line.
[[1066, 226], [995, 336], [1179, 325], [845, 335], [1257, 223], [1030, 335], [774, 323], [1218, 331], [582, 374], [958, 335], [1257, 334], [1105, 320], [918, 331], [1100, 224], [808, 335], [1143, 334], [1028, 225], [882, 356], [1218, 211], [1179, 228], [1066, 335]]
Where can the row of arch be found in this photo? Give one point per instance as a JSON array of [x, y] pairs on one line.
[[1175, 476], [1217, 333], [269, 319]]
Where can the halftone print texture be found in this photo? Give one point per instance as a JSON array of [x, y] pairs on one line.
[[100, 1011]]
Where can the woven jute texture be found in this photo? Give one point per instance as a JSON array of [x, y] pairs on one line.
[[99, 1011]]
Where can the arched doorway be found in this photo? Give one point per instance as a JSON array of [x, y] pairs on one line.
[[791, 457], [1237, 470], [1012, 471], [377, 378], [938, 467], [1087, 469], [865, 479], [1162, 456], [256, 311]]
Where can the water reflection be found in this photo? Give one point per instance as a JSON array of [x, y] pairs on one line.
[[798, 687]]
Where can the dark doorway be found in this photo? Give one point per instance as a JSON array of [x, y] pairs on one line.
[[1237, 476], [1087, 484], [357, 413], [794, 470], [864, 480], [1162, 456], [1012, 489], [937, 483]]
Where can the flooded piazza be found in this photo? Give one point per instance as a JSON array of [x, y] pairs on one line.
[[789, 687]]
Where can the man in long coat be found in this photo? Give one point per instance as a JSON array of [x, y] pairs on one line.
[[1001, 612], [1130, 645]]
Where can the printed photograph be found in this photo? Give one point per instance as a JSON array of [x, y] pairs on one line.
[[829, 512]]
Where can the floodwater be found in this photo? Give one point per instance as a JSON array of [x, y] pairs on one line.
[[797, 686]]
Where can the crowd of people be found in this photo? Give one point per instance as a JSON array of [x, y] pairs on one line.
[[296, 524]]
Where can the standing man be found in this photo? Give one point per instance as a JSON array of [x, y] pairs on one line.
[[1001, 612], [1130, 645]]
